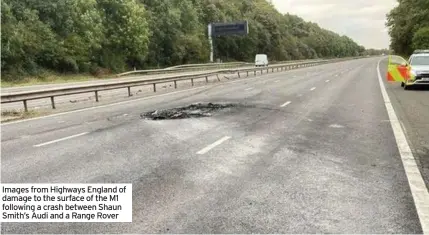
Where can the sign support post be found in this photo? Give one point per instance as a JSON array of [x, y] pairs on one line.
[[211, 42], [225, 29]]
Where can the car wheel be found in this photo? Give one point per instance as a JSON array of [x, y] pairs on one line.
[[406, 87], [402, 84]]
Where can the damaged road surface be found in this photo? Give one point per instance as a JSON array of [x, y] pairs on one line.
[[192, 111]]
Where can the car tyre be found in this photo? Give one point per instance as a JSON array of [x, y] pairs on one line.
[[406, 87]]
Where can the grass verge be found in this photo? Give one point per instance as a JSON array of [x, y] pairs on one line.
[[49, 79], [13, 115]]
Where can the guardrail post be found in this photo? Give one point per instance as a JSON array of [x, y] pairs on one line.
[[25, 106], [268, 70], [272, 70], [239, 74], [217, 75], [96, 96], [52, 102], [129, 91], [247, 73], [154, 87], [175, 84], [254, 72], [207, 79], [192, 81]]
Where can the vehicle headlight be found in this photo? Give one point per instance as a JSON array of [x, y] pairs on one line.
[[414, 73]]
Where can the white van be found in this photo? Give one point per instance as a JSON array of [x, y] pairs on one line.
[[261, 60]]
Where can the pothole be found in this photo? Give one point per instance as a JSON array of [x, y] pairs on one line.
[[198, 110]]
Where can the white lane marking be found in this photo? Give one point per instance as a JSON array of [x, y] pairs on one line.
[[415, 180], [327, 81], [336, 126], [285, 104], [62, 139], [277, 81], [313, 88], [209, 147], [248, 89]]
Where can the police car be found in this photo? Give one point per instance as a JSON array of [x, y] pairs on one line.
[[419, 69]]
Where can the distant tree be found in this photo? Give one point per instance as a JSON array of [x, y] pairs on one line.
[[421, 39], [404, 21], [77, 36]]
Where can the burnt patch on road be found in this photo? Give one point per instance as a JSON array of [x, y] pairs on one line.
[[198, 110]]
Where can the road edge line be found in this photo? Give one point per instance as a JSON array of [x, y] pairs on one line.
[[415, 180]]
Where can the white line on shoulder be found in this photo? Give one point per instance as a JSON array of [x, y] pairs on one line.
[[415, 180]]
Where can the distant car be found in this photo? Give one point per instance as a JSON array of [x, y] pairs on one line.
[[261, 60], [419, 69]]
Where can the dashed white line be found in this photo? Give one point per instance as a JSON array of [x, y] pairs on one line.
[[417, 185], [62, 139], [313, 88], [248, 89], [327, 81], [285, 104], [277, 81], [211, 146]]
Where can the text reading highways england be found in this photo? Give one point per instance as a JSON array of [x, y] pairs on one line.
[[54, 190]]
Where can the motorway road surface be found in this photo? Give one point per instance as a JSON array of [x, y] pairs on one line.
[[307, 151]]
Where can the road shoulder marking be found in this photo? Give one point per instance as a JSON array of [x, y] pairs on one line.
[[313, 88], [61, 139], [417, 185], [211, 146]]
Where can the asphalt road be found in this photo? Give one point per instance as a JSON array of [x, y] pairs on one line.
[[309, 151]]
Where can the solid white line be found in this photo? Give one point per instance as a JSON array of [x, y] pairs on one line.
[[415, 180], [285, 104], [208, 148], [248, 89], [327, 81], [62, 139], [312, 89]]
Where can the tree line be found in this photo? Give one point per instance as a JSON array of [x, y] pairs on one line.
[[104, 36], [408, 25]]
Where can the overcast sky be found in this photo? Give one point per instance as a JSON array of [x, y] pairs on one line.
[[362, 20]]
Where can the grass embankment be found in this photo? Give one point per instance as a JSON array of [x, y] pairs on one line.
[[49, 79], [12, 115]]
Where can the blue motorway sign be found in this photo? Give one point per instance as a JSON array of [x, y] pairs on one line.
[[233, 28]]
